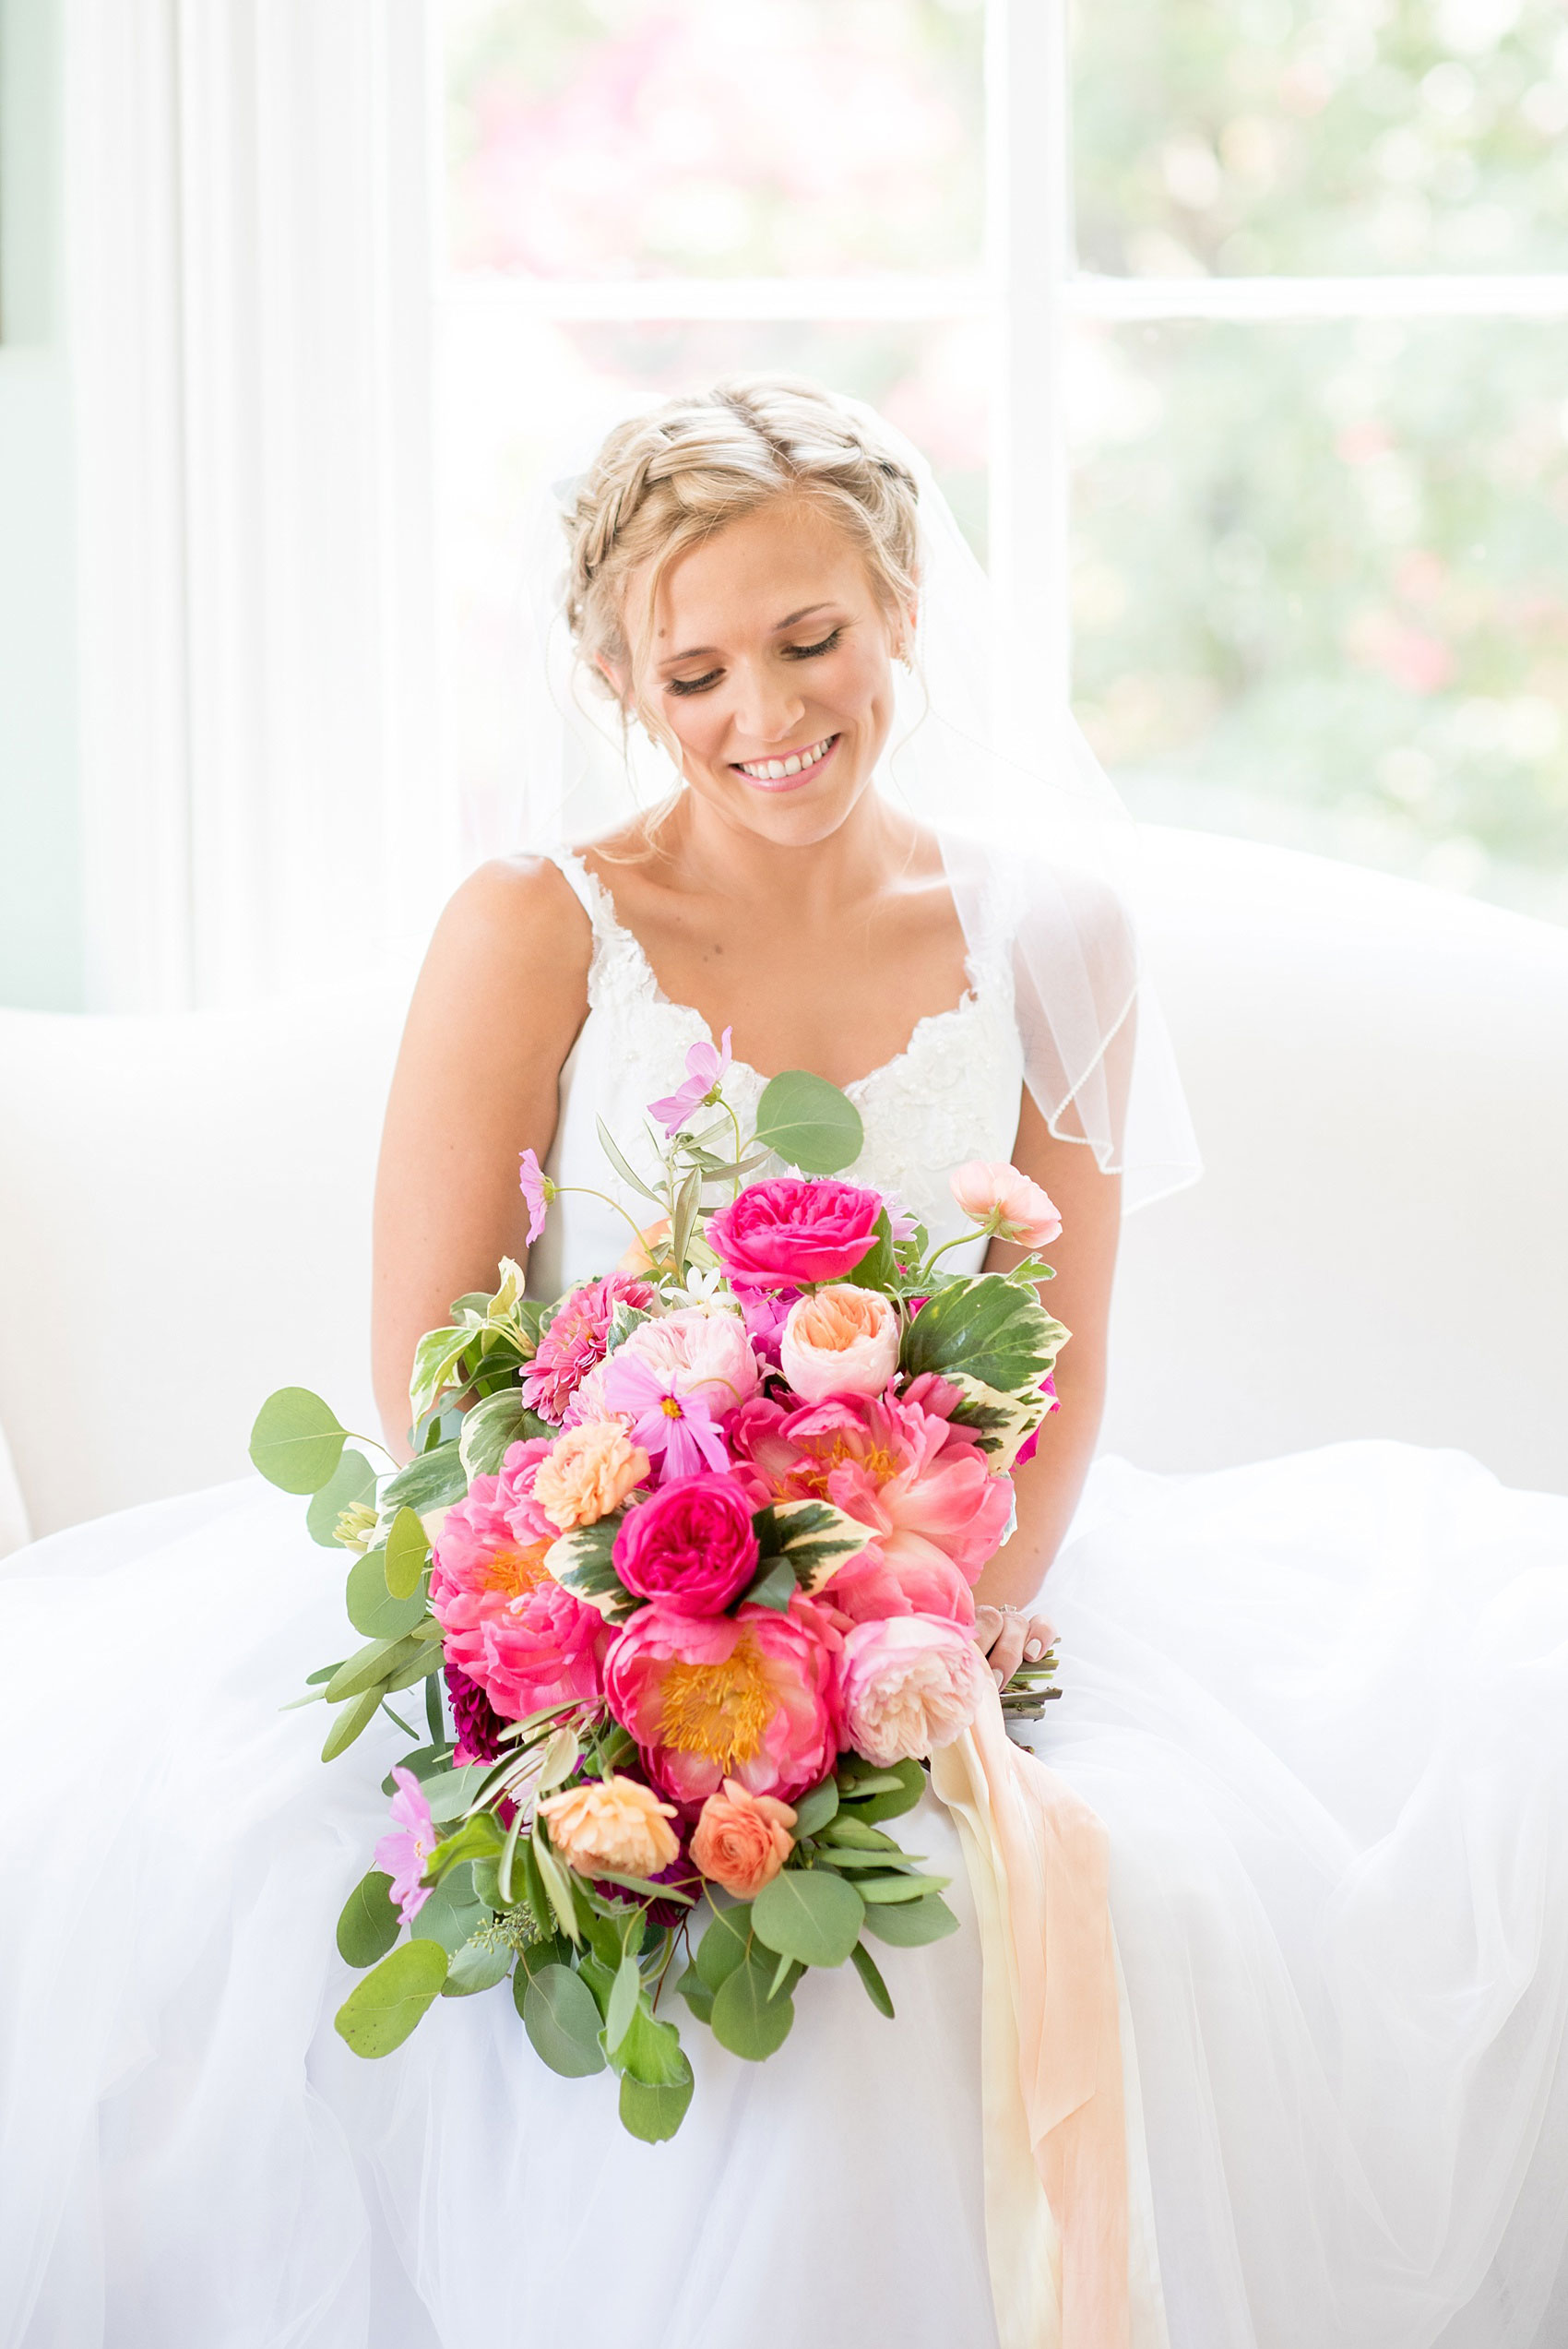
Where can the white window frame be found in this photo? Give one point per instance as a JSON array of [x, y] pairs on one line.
[[1030, 292]]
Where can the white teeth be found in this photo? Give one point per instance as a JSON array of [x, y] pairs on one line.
[[773, 770]]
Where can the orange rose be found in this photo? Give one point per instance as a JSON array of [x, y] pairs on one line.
[[588, 1472], [743, 1840]]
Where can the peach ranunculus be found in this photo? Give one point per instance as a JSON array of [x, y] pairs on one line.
[[743, 1840], [909, 1685], [588, 1472], [842, 1341], [997, 1195], [612, 1823]]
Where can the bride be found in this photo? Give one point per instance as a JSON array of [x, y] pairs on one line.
[[1319, 1704]]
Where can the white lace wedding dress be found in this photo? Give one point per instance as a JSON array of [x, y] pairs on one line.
[[1321, 1704]]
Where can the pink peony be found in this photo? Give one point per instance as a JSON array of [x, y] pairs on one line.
[[996, 1195], [404, 1857], [743, 1840], [505, 1624], [788, 1233], [919, 1486], [840, 1341], [575, 1339], [749, 1696], [866, 1587], [692, 1543], [909, 1685]]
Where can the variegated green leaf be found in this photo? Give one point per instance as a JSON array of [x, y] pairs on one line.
[[491, 1427], [814, 1537], [1001, 1423], [436, 1360], [994, 1331], [580, 1561]]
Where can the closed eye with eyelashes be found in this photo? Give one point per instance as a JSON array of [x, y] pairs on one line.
[[791, 653]]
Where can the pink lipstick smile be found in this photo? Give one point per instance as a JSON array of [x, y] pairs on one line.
[[788, 772]]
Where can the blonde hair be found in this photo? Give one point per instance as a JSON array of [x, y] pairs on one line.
[[664, 482]]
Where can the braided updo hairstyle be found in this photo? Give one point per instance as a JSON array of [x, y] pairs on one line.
[[663, 482]]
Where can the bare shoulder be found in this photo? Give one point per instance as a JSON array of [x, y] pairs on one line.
[[507, 966], [518, 914]]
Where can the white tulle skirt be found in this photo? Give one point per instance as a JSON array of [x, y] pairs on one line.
[[1322, 1706]]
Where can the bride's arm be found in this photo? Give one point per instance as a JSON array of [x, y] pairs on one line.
[[1048, 1486], [501, 995]]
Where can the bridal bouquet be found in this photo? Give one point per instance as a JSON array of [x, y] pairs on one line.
[[683, 1562]]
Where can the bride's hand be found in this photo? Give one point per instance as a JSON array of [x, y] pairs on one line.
[[1008, 1637]]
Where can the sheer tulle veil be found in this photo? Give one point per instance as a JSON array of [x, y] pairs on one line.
[[1037, 844]]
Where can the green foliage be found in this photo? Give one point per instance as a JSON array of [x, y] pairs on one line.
[[352, 1480], [994, 1331], [812, 1536], [407, 1548], [373, 1611], [453, 1911], [368, 1923], [773, 1587], [296, 1442], [914, 1923], [371, 1667], [354, 1719], [815, 1809], [746, 2019], [648, 2049], [379, 2013], [429, 1482], [654, 2111], [809, 1123], [491, 1426], [724, 1945], [581, 1561], [884, 1892], [874, 1799], [878, 1269], [480, 1964], [876, 1990], [561, 2018], [696, 1993], [809, 1915]]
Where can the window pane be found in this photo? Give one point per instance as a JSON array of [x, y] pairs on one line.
[[1240, 136], [672, 138], [519, 389], [1318, 587]]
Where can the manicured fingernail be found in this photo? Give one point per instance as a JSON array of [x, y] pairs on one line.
[[1034, 1648], [996, 1675]]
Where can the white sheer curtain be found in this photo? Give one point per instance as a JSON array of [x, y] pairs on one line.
[[250, 199]]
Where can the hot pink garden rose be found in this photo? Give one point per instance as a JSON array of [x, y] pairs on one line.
[[919, 1486], [505, 1623], [991, 1192], [788, 1233], [909, 1685], [575, 1341], [840, 1341], [750, 1696], [692, 1543]]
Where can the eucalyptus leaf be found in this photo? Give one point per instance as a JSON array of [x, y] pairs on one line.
[[369, 1923], [814, 1810], [876, 1990], [912, 1924], [807, 1914], [353, 1718], [425, 1661], [809, 1123], [370, 1666], [890, 1802], [881, 1892], [624, 1997], [696, 1993], [407, 1547], [450, 1793], [723, 1947], [650, 2051], [353, 1480], [532, 1957], [561, 2018], [480, 1964], [654, 2111], [857, 1832], [297, 1441], [453, 1911], [745, 2019], [373, 1611], [379, 2013], [557, 1887]]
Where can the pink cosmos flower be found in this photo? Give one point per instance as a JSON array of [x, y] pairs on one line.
[[920, 1486], [786, 1233], [909, 1685], [537, 1189], [996, 1195], [672, 1379], [749, 1697], [505, 1623], [575, 1341], [706, 1064], [404, 1857]]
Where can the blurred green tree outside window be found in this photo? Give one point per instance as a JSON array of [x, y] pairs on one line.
[[1317, 559]]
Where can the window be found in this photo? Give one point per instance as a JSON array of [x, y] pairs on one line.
[[1233, 328]]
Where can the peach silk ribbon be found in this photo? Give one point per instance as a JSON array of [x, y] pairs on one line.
[[1072, 2255]]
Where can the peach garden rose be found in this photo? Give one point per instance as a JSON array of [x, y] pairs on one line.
[[841, 1341], [586, 1472], [612, 1823], [743, 1840]]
